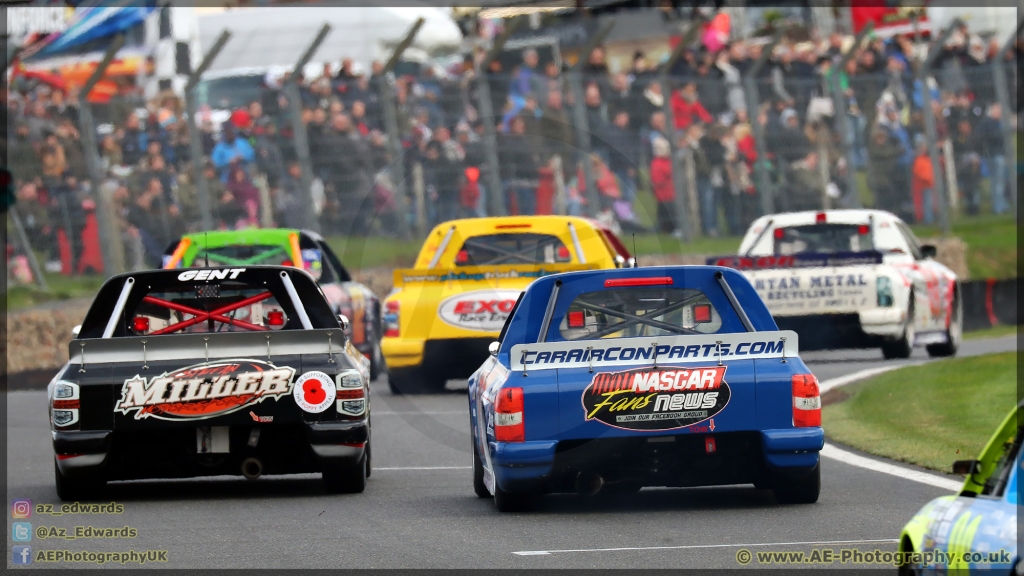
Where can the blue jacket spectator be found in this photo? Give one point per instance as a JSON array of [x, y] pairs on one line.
[[229, 150]]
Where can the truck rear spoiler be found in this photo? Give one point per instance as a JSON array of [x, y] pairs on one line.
[[489, 274], [210, 346], [804, 260]]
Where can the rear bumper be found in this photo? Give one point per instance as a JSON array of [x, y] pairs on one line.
[[885, 322], [452, 358], [836, 331], [670, 460], [170, 453], [402, 352]]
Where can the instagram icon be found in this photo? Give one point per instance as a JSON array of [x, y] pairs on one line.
[[21, 508]]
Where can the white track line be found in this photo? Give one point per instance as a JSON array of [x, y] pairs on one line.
[[698, 546], [375, 469], [830, 451], [861, 375]]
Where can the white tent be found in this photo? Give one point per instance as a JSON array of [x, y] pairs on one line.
[[273, 37]]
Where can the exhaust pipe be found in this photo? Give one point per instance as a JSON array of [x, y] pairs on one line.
[[252, 468], [589, 483]]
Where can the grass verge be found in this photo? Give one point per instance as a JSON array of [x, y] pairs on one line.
[[993, 332], [928, 415]]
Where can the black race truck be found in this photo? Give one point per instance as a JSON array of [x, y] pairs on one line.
[[210, 371]]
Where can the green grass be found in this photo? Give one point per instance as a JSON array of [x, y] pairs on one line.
[[993, 332], [928, 415], [356, 253], [991, 253], [61, 288], [991, 243]]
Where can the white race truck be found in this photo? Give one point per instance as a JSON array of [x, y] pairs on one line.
[[852, 279]]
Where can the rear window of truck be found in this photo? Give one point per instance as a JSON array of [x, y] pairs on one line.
[[822, 238], [639, 311], [499, 249]]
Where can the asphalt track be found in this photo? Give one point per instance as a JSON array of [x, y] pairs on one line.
[[419, 510]]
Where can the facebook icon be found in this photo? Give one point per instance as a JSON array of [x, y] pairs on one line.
[[22, 555]]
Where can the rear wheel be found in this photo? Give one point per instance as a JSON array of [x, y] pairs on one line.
[[478, 476], [803, 490], [954, 333], [87, 487], [907, 568], [377, 364], [904, 346], [414, 381], [512, 501], [347, 479]]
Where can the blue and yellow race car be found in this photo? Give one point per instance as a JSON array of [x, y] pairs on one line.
[[613, 380], [977, 529]]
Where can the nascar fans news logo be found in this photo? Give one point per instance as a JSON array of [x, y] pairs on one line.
[[481, 310], [656, 399], [204, 390]]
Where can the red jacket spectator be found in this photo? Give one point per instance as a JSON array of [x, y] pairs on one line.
[[686, 109], [661, 179]]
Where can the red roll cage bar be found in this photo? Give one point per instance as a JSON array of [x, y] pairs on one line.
[[200, 315]]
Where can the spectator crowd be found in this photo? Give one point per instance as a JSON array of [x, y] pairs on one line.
[[254, 176]]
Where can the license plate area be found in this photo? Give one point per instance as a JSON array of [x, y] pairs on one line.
[[212, 440]]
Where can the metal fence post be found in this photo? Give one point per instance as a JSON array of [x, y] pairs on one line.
[[22, 238], [929, 125], [301, 138], [583, 128], [109, 236], [386, 89], [764, 183], [682, 219], [843, 118], [496, 196], [194, 141], [1003, 97]]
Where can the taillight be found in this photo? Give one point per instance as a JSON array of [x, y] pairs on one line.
[[563, 253], [779, 233], [577, 319], [863, 229], [702, 314], [883, 289], [275, 318], [462, 257], [65, 404], [141, 323], [806, 401], [820, 218], [350, 396], [508, 416], [391, 313], [650, 281]]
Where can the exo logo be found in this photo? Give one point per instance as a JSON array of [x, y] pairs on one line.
[[479, 310], [482, 306]]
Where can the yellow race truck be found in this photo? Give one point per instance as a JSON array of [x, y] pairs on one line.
[[442, 315]]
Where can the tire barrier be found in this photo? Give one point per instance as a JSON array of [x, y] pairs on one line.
[[989, 303]]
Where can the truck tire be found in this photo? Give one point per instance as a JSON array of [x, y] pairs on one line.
[[904, 346], [413, 381], [346, 479], [478, 476], [377, 363], [803, 490], [72, 489], [512, 501], [954, 333]]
